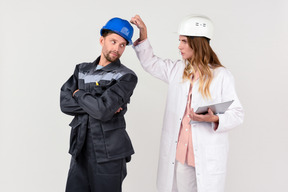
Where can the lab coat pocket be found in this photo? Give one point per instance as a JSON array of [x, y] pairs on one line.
[[216, 157]]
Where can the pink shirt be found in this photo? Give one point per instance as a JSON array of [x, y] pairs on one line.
[[184, 151]]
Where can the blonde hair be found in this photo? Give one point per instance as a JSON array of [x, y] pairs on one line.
[[204, 59]]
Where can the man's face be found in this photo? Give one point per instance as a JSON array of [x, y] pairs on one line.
[[113, 45]]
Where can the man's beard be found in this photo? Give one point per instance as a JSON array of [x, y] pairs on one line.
[[108, 58]]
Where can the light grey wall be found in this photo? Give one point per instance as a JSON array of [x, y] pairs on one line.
[[42, 41]]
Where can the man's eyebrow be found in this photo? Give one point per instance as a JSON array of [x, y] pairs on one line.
[[120, 42]]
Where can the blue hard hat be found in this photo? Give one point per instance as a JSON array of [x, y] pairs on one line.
[[121, 27]]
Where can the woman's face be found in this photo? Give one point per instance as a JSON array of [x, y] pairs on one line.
[[185, 50]]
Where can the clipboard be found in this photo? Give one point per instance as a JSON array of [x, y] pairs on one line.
[[218, 108]]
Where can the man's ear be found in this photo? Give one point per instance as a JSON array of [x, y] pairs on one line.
[[101, 40]]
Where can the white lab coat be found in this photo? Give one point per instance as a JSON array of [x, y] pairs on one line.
[[210, 146]]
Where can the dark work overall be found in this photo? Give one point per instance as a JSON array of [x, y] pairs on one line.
[[86, 175]]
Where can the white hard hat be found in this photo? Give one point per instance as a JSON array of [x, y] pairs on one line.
[[196, 26]]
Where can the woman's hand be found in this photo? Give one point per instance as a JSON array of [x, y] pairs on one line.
[[208, 117], [136, 20]]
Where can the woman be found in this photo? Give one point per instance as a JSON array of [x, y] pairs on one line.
[[194, 147]]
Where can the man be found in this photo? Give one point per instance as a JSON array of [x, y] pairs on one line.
[[97, 95]]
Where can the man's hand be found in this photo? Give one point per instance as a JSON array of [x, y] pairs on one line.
[[136, 20], [75, 92], [120, 109]]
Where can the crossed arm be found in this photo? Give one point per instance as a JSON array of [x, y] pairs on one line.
[[75, 101]]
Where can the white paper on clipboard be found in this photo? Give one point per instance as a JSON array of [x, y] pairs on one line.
[[217, 108]]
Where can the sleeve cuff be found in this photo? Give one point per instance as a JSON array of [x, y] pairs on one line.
[[217, 126], [140, 44]]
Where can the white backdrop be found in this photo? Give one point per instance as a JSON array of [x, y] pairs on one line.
[[42, 41]]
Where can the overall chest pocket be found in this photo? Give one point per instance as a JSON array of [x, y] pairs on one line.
[[98, 88]]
